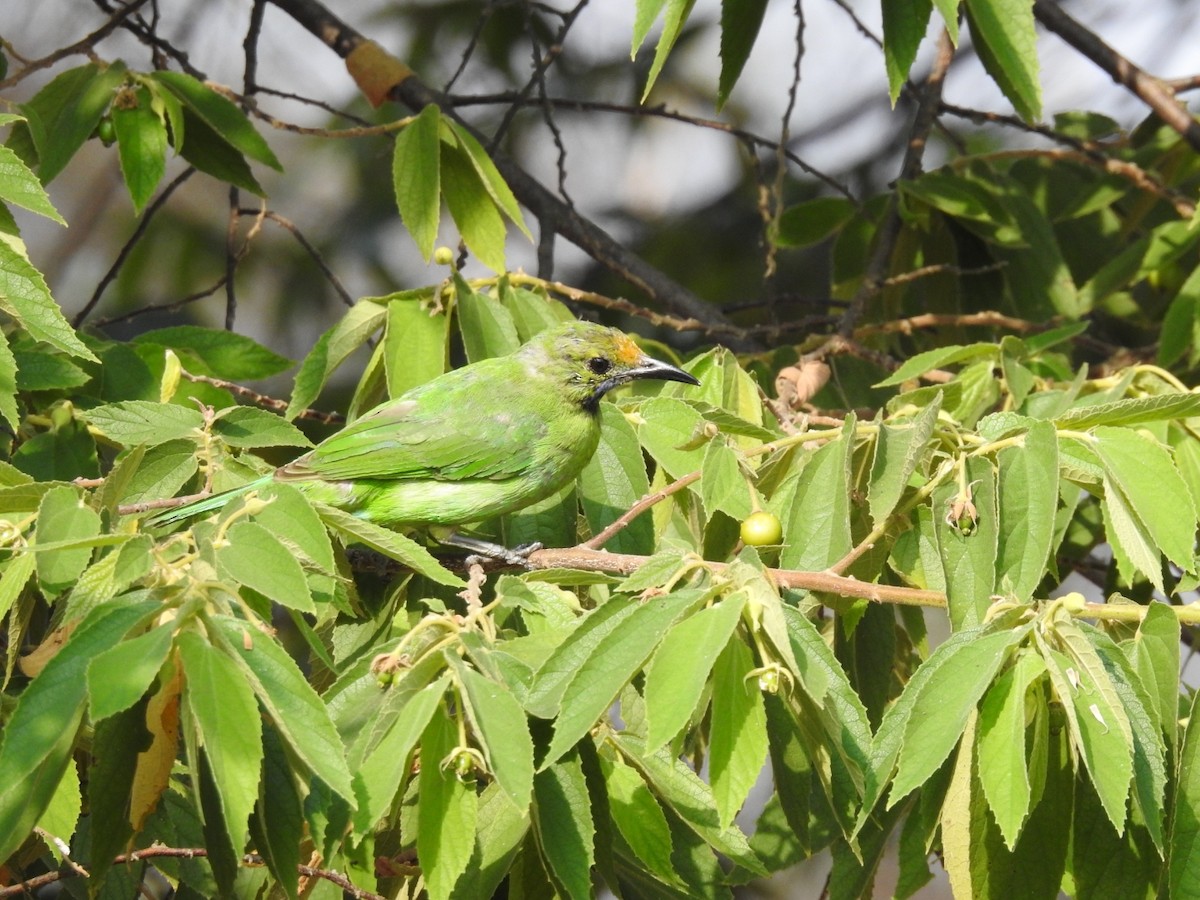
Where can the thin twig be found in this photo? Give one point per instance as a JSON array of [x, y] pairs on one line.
[[601, 538]]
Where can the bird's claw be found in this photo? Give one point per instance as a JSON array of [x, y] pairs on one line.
[[485, 552]]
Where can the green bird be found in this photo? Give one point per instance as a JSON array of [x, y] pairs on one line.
[[474, 443]]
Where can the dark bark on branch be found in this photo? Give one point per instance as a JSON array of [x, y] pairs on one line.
[[1151, 90], [551, 212]]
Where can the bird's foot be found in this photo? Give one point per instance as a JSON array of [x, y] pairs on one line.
[[483, 552]]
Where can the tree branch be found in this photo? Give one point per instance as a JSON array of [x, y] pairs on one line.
[[548, 209], [1151, 90]]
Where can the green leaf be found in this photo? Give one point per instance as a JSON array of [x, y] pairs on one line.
[[1183, 857], [638, 816], [446, 812], [740, 24], [500, 726], [816, 517], [163, 470], [223, 708], [487, 327], [16, 572], [63, 114], [666, 427], [613, 480], [210, 153], [489, 176], [1155, 658], [415, 344], [1028, 498], [252, 556], [899, 448], [384, 769], [738, 734], [331, 350], [614, 660], [63, 518], [904, 27], [291, 519], [390, 543], [1181, 323], [1143, 471], [38, 370], [673, 22], [1133, 548], [246, 426], [62, 814], [141, 143], [500, 828], [723, 485], [121, 675], [918, 365], [144, 422], [25, 297], [677, 673], [294, 707], [686, 795], [8, 387], [562, 815], [39, 736], [812, 221], [416, 178], [20, 187], [1003, 773], [216, 352], [221, 114], [277, 824], [473, 210], [1134, 411], [1005, 38], [937, 715], [1099, 730], [969, 560]]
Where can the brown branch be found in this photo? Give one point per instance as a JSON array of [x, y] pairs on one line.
[[549, 210], [311, 415], [588, 560], [1150, 90], [601, 538], [889, 229], [289, 226]]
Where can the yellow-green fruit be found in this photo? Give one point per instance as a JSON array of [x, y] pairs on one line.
[[762, 529], [106, 131], [443, 256]]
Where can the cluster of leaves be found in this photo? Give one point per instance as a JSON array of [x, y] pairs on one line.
[[562, 725]]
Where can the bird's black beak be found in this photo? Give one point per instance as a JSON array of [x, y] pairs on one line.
[[648, 367]]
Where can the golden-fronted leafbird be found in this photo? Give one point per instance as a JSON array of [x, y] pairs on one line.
[[474, 443]]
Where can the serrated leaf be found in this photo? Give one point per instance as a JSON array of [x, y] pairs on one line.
[[20, 187], [294, 707], [38, 737], [723, 485], [291, 519], [221, 114], [277, 824], [740, 24], [918, 365], [489, 176], [16, 573], [615, 659], [223, 708], [25, 297], [1028, 497], [141, 143], [1005, 38], [446, 812], [501, 727], [118, 677], [245, 426], [38, 370], [899, 447], [562, 815], [66, 522], [904, 27], [1155, 657], [738, 733], [144, 422], [816, 517], [555, 674], [390, 543], [638, 816], [679, 669], [416, 178], [8, 386], [1133, 411], [940, 709], [613, 480], [63, 114], [1003, 773], [1133, 549], [252, 556], [415, 344], [1183, 856], [163, 470], [968, 549], [473, 210], [331, 350], [213, 351]]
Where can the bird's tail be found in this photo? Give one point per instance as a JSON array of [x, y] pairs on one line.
[[207, 504]]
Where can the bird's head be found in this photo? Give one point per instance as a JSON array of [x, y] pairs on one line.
[[590, 360]]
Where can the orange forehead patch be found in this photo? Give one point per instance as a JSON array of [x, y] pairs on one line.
[[627, 352]]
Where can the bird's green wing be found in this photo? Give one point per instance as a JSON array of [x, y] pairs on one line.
[[471, 428]]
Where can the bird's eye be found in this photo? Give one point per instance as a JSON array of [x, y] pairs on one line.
[[599, 365]]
